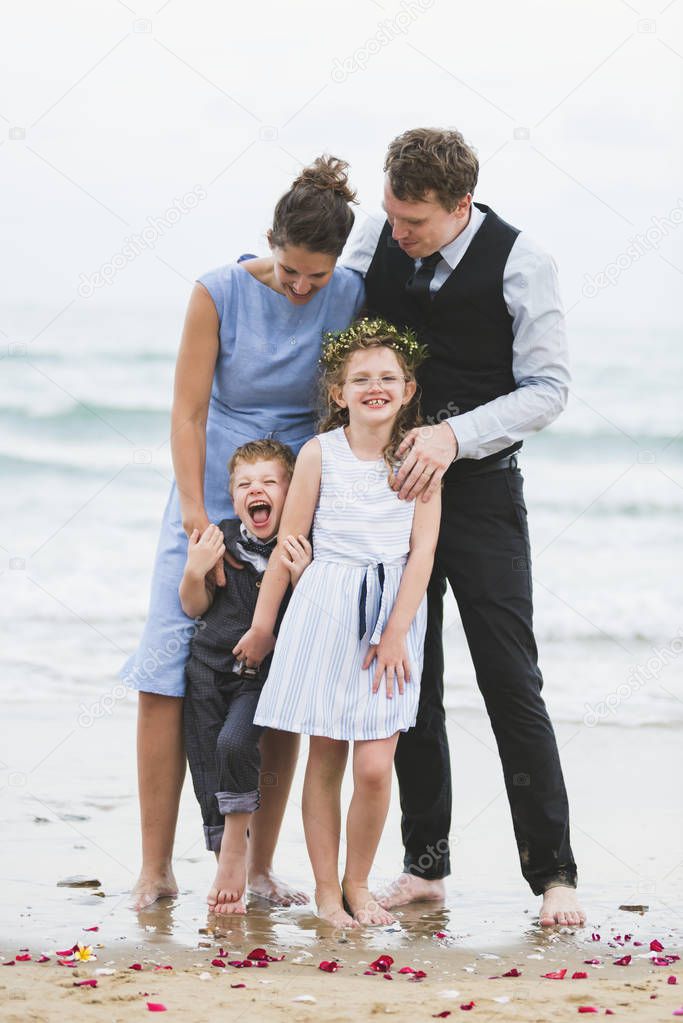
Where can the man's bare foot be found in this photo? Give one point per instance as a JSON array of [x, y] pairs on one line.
[[365, 908], [561, 906], [266, 885], [226, 895], [150, 887], [408, 888], [331, 908]]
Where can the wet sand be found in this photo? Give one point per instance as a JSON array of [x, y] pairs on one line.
[[69, 808]]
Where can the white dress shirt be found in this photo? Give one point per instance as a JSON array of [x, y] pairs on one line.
[[540, 360]]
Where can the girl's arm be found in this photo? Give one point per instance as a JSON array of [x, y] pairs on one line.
[[297, 517], [194, 372], [391, 654]]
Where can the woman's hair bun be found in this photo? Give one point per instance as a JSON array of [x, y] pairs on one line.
[[327, 173]]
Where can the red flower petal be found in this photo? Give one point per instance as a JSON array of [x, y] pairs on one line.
[[10, 962], [588, 1008], [672, 980], [592, 962], [467, 1006], [387, 976], [366, 973], [440, 934], [556, 975], [96, 928], [24, 958], [382, 964], [514, 972], [156, 1006], [656, 946], [418, 975], [238, 985], [328, 966], [263, 965], [595, 936], [260, 955], [635, 943], [608, 1012], [441, 1015], [66, 953], [222, 954], [624, 961], [406, 969], [218, 962], [85, 983], [163, 967], [579, 975], [135, 966], [678, 1012], [72, 966], [43, 959]]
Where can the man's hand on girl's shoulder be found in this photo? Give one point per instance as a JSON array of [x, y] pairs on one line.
[[297, 557], [427, 452]]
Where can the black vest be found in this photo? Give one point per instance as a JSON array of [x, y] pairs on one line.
[[467, 328], [232, 609]]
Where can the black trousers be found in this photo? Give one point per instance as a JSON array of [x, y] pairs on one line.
[[222, 744], [483, 553]]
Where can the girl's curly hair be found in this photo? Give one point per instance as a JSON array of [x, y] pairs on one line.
[[337, 351]]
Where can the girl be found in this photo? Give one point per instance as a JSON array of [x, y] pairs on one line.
[[356, 621], [247, 368]]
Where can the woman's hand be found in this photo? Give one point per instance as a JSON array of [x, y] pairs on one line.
[[297, 557], [392, 660], [205, 551], [428, 451], [254, 646]]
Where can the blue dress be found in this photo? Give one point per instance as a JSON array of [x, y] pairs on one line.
[[264, 385]]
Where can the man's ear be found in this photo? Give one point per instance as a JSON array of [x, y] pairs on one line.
[[269, 237]]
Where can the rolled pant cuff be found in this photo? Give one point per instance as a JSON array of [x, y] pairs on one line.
[[563, 879], [238, 802], [213, 834], [428, 866]]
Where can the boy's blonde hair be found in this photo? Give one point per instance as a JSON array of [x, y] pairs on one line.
[[265, 450]]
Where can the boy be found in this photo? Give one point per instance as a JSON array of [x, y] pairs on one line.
[[221, 739]]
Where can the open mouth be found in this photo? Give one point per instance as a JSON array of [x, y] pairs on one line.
[[259, 513], [376, 402]]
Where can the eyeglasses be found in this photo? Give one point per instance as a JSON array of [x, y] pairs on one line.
[[386, 381]]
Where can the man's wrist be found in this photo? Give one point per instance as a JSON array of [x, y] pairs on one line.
[[449, 423]]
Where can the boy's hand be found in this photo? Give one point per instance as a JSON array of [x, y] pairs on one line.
[[205, 551], [392, 660], [254, 646], [297, 557]]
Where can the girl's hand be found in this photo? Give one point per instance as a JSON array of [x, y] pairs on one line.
[[254, 646], [297, 557], [392, 660], [206, 551]]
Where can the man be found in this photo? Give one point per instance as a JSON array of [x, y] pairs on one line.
[[484, 298]]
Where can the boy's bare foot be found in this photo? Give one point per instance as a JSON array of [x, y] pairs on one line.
[[331, 909], [408, 888], [561, 906], [226, 895], [150, 887], [365, 908], [275, 890]]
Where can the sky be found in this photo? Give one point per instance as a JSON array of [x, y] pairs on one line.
[[114, 114]]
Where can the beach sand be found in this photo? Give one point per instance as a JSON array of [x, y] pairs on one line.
[[69, 808]]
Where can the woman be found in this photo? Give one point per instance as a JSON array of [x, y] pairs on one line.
[[247, 368]]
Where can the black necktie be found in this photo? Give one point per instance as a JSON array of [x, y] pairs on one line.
[[417, 285], [265, 549]]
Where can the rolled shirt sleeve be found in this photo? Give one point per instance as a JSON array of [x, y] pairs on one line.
[[540, 361]]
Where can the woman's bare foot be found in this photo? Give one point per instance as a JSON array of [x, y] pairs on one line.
[[266, 885], [331, 908], [226, 895], [408, 888], [365, 908], [561, 906], [150, 887]]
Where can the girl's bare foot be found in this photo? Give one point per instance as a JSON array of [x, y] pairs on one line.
[[331, 908], [226, 895], [153, 886], [266, 885], [408, 888], [561, 906], [365, 908]]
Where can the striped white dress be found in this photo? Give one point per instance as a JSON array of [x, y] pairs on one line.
[[361, 538]]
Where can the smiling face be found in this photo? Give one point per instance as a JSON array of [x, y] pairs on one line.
[[299, 273], [374, 387], [258, 491], [423, 226]]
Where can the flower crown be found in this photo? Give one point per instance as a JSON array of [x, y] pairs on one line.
[[337, 344]]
